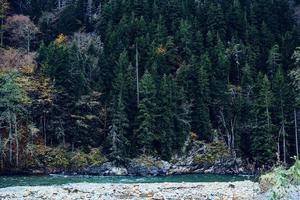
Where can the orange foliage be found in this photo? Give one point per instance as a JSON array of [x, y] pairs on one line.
[[61, 39], [194, 136], [161, 50]]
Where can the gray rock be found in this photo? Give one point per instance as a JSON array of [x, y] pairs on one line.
[[119, 171], [148, 166]]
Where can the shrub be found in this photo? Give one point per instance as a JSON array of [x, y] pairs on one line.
[[40, 156], [280, 181], [214, 152]]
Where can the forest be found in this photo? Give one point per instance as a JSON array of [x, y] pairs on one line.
[[116, 79]]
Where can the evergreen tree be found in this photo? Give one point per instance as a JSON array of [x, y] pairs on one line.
[[215, 20], [283, 100], [200, 98], [146, 118], [263, 138], [164, 125], [247, 112], [274, 60], [118, 131], [184, 37]]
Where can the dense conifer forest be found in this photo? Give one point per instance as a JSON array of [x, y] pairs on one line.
[[116, 79]]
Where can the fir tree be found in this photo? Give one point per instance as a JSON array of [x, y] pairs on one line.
[[146, 114], [263, 138], [118, 131]]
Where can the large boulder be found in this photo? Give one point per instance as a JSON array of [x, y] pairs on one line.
[[148, 166], [107, 169]]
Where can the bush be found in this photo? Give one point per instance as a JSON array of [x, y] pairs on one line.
[[42, 157], [81, 159], [214, 152], [95, 157], [59, 158], [280, 181]]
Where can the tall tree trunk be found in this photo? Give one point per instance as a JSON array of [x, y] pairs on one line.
[[137, 74], [89, 10], [2, 32], [229, 139], [268, 118], [44, 128], [296, 133], [28, 42], [10, 138], [283, 128], [284, 143], [17, 141], [278, 148]]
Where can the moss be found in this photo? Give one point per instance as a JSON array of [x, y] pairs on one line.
[[148, 161], [58, 158], [79, 160], [214, 152], [95, 157], [40, 156]]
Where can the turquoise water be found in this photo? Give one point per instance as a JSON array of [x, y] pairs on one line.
[[7, 181]]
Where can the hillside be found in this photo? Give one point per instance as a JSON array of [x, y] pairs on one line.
[[198, 82]]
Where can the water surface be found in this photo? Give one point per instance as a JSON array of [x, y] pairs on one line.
[[7, 181]]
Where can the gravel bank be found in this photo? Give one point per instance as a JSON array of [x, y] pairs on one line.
[[245, 190]]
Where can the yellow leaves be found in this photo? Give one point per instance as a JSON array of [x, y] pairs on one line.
[[61, 39], [26, 70], [41, 85], [194, 136], [161, 50]]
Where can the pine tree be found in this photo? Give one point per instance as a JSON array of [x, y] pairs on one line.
[[119, 84], [247, 114], [118, 130], [263, 138], [3, 9], [146, 115], [184, 38], [181, 118], [215, 20], [283, 100], [164, 123], [200, 95], [12, 106], [235, 18], [274, 60]]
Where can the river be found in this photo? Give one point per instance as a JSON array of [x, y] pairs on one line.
[[8, 181]]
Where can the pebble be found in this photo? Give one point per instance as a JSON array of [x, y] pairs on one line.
[[244, 190]]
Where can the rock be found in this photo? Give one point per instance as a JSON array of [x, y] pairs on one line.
[[209, 171], [27, 193], [148, 166], [118, 171], [176, 170], [107, 169], [158, 197]]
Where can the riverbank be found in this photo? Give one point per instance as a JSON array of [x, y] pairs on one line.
[[243, 190], [199, 158]]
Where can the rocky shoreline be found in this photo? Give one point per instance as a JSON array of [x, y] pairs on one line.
[[137, 168], [244, 190], [198, 160]]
